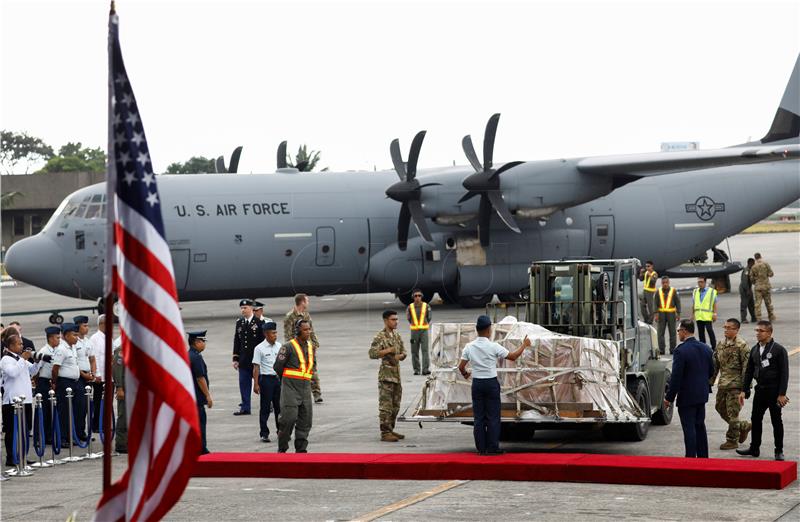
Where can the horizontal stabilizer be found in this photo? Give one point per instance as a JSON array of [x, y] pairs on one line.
[[658, 163]]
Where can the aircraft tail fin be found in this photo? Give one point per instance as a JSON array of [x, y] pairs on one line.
[[786, 124]]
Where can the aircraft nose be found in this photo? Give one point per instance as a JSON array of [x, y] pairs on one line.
[[35, 260]]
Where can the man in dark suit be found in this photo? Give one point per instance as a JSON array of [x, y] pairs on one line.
[[692, 367]]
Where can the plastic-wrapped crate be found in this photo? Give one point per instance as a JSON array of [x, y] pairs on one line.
[[559, 377]]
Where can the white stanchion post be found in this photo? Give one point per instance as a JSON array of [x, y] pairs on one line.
[[71, 428], [53, 460], [37, 408], [89, 453], [23, 470]]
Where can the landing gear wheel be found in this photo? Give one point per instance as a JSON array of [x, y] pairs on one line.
[[508, 298], [518, 432], [664, 414], [475, 301], [56, 319]]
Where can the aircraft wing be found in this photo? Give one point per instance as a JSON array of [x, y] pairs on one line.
[[658, 163]]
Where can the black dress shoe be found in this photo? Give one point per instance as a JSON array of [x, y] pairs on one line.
[[265, 439], [779, 455], [241, 413], [426, 373], [204, 452], [416, 372], [301, 451], [480, 453], [495, 452], [751, 452]]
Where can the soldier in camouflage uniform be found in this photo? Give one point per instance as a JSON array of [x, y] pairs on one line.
[[298, 312], [388, 346], [730, 363], [118, 374], [759, 275]]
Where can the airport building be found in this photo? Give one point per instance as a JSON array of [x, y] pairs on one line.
[[38, 197]]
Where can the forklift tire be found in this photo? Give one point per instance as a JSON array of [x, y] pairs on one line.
[[664, 415], [517, 432], [634, 432], [638, 431]]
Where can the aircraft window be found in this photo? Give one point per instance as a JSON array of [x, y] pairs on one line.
[[93, 211], [97, 198], [80, 240], [87, 199], [81, 211], [102, 211]]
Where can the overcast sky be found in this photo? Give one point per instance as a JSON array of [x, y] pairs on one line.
[[570, 78]]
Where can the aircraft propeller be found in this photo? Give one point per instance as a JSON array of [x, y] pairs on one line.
[[219, 166], [282, 155], [485, 182], [408, 191]]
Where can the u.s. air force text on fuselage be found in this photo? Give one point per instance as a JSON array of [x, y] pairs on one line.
[[262, 208]]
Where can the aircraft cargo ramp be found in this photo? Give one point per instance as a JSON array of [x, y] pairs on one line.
[[559, 379]]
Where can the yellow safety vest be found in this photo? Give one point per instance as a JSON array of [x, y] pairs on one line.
[[421, 322], [649, 282], [666, 306], [306, 371], [704, 310]]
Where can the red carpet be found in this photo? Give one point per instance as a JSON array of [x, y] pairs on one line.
[[550, 467]]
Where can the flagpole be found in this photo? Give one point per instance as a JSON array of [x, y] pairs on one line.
[[108, 303]]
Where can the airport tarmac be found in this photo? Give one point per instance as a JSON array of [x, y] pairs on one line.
[[347, 422]]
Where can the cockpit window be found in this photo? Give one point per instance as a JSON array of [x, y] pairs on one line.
[[91, 206]]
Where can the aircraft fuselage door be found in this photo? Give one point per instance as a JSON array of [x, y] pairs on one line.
[[326, 246], [602, 242], [180, 263]]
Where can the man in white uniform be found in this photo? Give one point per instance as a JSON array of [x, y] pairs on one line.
[[17, 372], [267, 385], [65, 375], [482, 355]]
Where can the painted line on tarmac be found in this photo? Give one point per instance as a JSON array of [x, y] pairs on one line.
[[414, 499], [795, 351]]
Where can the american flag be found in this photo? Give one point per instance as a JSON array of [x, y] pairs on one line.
[[163, 429]]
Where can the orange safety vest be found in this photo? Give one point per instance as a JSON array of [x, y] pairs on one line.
[[421, 322], [306, 371], [666, 306], [648, 279]]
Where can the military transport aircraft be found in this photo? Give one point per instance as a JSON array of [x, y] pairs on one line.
[[477, 228]]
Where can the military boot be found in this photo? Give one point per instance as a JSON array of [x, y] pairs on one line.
[[389, 437], [729, 445], [400, 436], [744, 432]]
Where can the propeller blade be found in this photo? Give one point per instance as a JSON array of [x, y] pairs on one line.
[[488, 141], [403, 223], [469, 195], [500, 206], [234, 165], [419, 220], [220, 165], [484, 219], [469, 150], [397, 159], [282, 155], [413, 155], [507, 166]]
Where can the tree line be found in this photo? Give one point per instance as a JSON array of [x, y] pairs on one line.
[[20, 152]]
